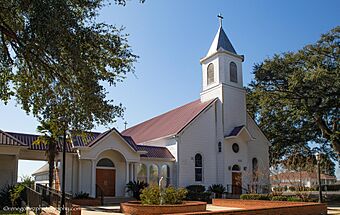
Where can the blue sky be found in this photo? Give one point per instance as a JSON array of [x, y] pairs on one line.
[[171, 36]]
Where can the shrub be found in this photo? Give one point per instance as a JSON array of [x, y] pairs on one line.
[[197, 193], [150, 195], [279, 198], [293, 199], [27, 181], [136, 187], [5, 196], [276, 193], [173, 196], [255, 197], [170, 195], [15, 193], [218, 189], [291, 188], [196, 188], [82, 195]]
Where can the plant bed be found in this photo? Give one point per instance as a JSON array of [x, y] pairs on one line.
[[136, 208], [255, 207]]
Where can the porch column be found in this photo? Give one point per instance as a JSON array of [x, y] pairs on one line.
[[79, 175], [15, 178], [147, 174], [93, 180], [127, 171], [134, 171], [131, 172]]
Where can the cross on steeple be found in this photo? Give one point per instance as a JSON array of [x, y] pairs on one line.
[[125, 123], [220, 17]]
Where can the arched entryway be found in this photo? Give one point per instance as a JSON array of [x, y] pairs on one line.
[[106, 177], [236, 180]]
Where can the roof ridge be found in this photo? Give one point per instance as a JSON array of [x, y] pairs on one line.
[[176, 108], [169, 123]]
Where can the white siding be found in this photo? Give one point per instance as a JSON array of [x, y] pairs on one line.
[[199, 137]]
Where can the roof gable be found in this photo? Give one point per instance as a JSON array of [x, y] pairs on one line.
[[167, 124]]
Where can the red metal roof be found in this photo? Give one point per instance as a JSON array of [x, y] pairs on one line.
[[167, 124], [28, 140], [155, 152], [7, 139], [91, 138]]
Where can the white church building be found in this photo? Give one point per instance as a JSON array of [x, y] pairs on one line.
[[211, 140]]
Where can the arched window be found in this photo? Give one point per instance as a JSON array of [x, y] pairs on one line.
[[255, 169], [153, 174], [236, 168], [141, 172], [210, 74], [165, 173], [233, 72], [219, 147], [105, 162], [198, 167]]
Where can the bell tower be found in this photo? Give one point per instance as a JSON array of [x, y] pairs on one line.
[[222, 78]]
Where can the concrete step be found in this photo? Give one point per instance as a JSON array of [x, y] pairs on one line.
[[116, 200]]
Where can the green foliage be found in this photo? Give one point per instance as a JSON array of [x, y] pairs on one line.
[[150, 196], [280, 189], [196, 188], [255, 197], [82, 195], [295, 100], [291, 188], [197, 193], [51, 131], [16, 193], [135, 187], [293, 199], [27, 181], [279, 198], [170, 195], [55, 59], [5, 196], [218, 189]]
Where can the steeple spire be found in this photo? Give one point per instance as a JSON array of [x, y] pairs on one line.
[[220, 17], [221, 40]]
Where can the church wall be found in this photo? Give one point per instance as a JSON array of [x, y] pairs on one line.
[[199, 137], [85, 176], [234, 105], [259, 148], [240, 158]]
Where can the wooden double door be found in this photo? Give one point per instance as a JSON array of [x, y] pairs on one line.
[[237, 183], [106, 180]]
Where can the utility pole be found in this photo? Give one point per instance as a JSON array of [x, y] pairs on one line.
[[318, 159], [62, 205]]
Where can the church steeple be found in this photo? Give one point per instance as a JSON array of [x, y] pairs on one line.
[[222, 66], [222, 79], [221, 41]]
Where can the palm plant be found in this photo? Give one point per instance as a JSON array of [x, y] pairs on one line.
[[217, 189], [135, 187], [50, 139]]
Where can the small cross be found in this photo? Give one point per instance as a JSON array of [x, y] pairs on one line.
[[220, 17], [125, 123]]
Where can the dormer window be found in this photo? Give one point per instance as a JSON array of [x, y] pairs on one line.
[[210, 74], [233, 72]]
